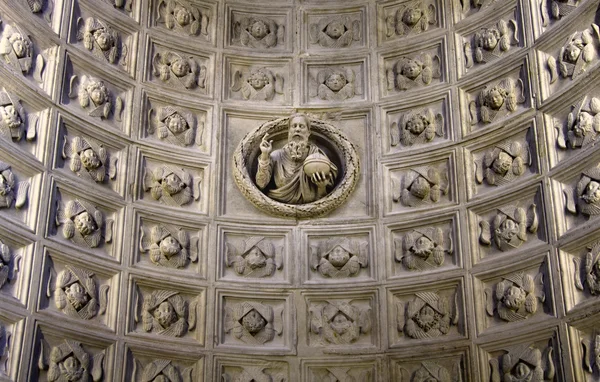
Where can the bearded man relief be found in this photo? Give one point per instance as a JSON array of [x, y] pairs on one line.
[[11, 190], [94, 96], [335, 84], [496, 102], [258, 32], [339, 257], [178, 71], [576, 56], [17, 50], [421, 187], [253, 323], [410, 73], [516, 297], [503, 164], [102, 40], [411, 18], [70, 362], [183, 17], [335, 32], [582, 126], [77, 295], [510, 227], [89, 159], [169, 246], [257, 258], [83, 223], [416, 127], [339, 322], [427, 316], [585, 197], [171, 186], [14, 121], [489, 44], [422, 249], [167, 313], [258, 84]]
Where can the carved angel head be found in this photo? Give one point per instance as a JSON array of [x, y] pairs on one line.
[[258, 29], [165, 312], [257, 258], [258, 32], [516, 296], [173, 187], [90, 155], [335, 29], [489, 38], [572, 51], [588, 192], [340, 322], [10, 116], [10, 190], [412, 15], [339, 257], [427, 316], [424, 186], [97, 92], [503, 164], [75, 293], [575, 56], [252, 322], [259, 78], [21, 44], [412, 68], [431, 372], [169, 246], [336, 81], [178, 70], [83, 223], [422, 249], [70, 362], [176, 125], [16, 48]]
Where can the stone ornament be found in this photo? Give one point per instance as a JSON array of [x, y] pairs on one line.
[[588, 274], [9, 265], [94, 96], [172, 186], [474, 5], [489, 44], [516, 297], [299, 180], [89, 159], [339, 322], [163, 370], [14, 121], [585, 197], [410, 73], [169, 246], [416, 127], [422, 249], [177, 126], [510, 227], [70, 362], [335, 84], [335, 32], [411, 18], [260, 373], [17, 50], [591, 353], [429, 371], [503, 164], [178, 71], [183, 17], [582, 126], [556, 9], [496, 102], [253, 323], [427, 316], [11, 190], [342, 374], [339, 257], [258, 32], [102, 40], [76, 294], [420, 187], [523, 363], [576, 55], [83, 223], [257, 84], [125, 5], [5, 338], [166, 313], [257, 258]]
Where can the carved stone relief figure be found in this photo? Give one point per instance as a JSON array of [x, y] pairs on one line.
[[420, 187], [70, 362], [422, 249], [169, 246], [510, 227], [556, 9], [341, 374], [178, 71], [168, 313], [416, 127], [591, 353], [411, 18], [171, 186], [177, 126], [125, 5], [257, 258], [11, 190], [14, 122], [516, 297], [4, 351], [248, 373], [582, 126], [76, 293], [588, 274], [8, 264], [257, 84], [495, 102], [503, 164], [89, 159], [94, 96], [183, 17], [586, 195], [102, 40], [489, 44], [253, 322], [335, 32], [258, 32], [413, 72], [474, 5], [576, 55], [163, 370], [429, 371], [336, 84], [339, 257], [427, 316], [17, 50], [523, 363], [339, 322], [83, 223]]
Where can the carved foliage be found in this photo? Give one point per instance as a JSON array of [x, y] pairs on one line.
[[582, 126], [523, 363], [587, 275], [491, 43], [83, 223], [516, 296], [429, 315], [77, 295], [576, 55], [169, 246], [411, 18], [69, 361], [93, 95], [413, 72], [102, 40], [585, 197], [183, 17], [422, 249], [257, 84], [11, 190], [14, 121], [339, 257], [17, 50], [416, 127], [253, 322], [496, 102], [258, 257], [339, 322], [510, 227], [335, 84], [168, 313], [178, 71], [258, 32], [335, 32], [420, 187], [171, 186], [503, 164], [89, 159]]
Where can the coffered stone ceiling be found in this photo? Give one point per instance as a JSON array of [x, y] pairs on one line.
[[158, 223]]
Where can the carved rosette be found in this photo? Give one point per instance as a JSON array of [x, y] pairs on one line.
[[253, 322], [246, 153], [339, 322]]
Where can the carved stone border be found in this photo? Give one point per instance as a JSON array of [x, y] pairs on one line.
[[340, 193]]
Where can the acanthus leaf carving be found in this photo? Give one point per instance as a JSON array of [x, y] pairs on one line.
[[412, 18], [423, 249], [253, 322], [183, 16], [335, 32], [169, 246], [257, 258], [339, 257], [83, 224], [257, 84], [339, 322], [576, 55]]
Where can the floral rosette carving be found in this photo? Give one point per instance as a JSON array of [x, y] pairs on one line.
[[182, 16], [509, 227], [339, 257], [335, 32], [11, 190], [489, 44], [516, 297], [14, 121], [171, 186], [259, 32], [257, 258], [416, 128], [503, 164], [76, 295], [17, 50], [427, 316], [585, 197], [411, 18], [496, 102], [83, 223], [169, 246], [413, 72], [582, 126], [89, 159], [576, 55], [420, 188], [167, 313], [253, 322], [339, 322], [422, 249], [70, 362], [257, 84]]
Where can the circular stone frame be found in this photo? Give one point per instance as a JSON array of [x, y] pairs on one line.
[[344, 149]]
